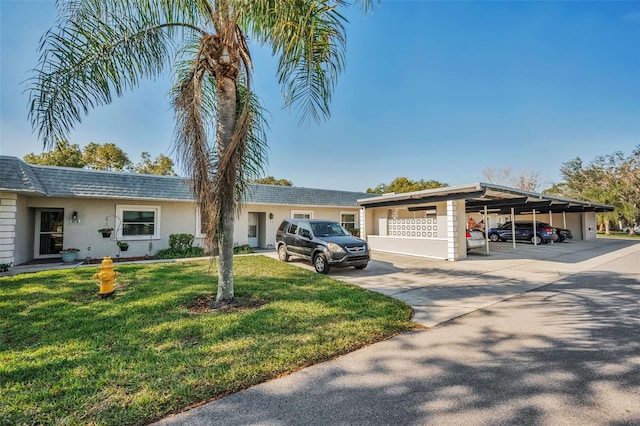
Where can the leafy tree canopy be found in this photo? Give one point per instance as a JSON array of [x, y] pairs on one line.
[[403, 184], [270, 180], [101, 157], [161, 165], [63, 154], [609, 179], [106, 157]]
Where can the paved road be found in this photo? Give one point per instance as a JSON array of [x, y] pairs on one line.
[[564, 353]]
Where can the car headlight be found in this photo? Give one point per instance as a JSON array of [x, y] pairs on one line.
[[335, 248]]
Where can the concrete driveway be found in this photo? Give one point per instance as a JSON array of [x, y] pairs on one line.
[[439, 290], [566, 353]]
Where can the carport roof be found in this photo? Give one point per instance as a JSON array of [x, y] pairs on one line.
[[497, 199]]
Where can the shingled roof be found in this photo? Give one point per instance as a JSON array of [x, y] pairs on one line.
[[18, 176], [51, 181]]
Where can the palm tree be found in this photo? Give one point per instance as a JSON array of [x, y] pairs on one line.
[[104, 47]]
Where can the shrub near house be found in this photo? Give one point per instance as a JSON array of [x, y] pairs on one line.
[[180, 246]]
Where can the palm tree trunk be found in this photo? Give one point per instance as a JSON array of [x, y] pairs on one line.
[[226, 121]]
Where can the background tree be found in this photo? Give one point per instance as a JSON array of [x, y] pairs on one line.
[[628, 189], [527, 180], [63, 154], [104, 47], [99, 157], [403, 184], [105, 157], [609, 179], [161, 165], [270, 180]]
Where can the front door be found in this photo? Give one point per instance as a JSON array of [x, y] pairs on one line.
[[253, 229], [49, 232]]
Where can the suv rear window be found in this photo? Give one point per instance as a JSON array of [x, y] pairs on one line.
[[283, 226]]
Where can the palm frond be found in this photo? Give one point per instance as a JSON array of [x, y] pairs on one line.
[[197, 13], [309, 38], [83, 63], [254, 152], [99, 49], [217, 180], [192, 97]]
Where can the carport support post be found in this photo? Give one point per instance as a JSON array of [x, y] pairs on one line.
[[535, 228], [513, 227], [550, 218], [564, 219], [486, 228]]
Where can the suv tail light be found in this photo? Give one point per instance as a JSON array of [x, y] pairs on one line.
[[548, 230]]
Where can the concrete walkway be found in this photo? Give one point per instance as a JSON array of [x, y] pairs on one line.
[[567, 353]]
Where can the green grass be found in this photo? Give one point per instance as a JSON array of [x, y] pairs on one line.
[[619, 234], [69, 357]]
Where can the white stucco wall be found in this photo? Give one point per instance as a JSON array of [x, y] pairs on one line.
[[589, 226], [435, 248], [93, 214], [25, 229], [174, 218]]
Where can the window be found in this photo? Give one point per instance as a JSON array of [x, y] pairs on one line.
[[301, 214], [348, 221], [138, 222]]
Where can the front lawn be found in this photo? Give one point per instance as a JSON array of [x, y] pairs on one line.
[[69, 357], [619, 234]]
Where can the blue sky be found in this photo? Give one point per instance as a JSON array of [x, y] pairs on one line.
[[432, 90]]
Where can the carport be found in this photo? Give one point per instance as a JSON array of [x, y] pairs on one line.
[[432, 223]]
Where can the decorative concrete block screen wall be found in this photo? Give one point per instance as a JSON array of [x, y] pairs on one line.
[[415, 228]]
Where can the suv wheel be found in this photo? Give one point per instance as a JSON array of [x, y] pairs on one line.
[[536, 239], [494, 237], [282, 253], [320, 264]]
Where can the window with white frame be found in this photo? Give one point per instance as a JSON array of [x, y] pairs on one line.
[[301, 214], [138, 222], [348, 221]]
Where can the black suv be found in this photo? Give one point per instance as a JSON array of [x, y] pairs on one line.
[[324, 242]]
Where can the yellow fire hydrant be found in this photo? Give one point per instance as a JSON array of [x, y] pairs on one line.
[[106, 276]]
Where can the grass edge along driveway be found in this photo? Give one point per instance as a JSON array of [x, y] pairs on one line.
[[69, 357]]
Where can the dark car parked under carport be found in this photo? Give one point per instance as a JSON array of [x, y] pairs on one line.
[[545, 233], [563, 234]]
